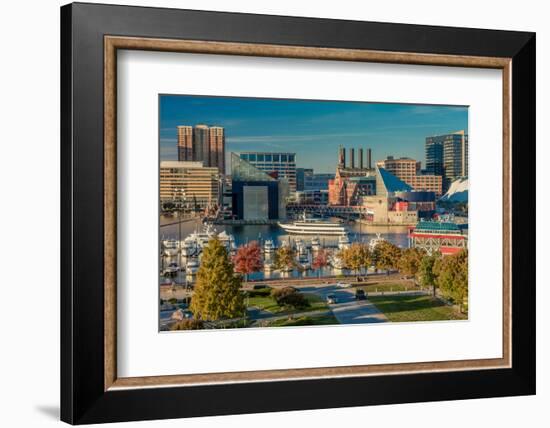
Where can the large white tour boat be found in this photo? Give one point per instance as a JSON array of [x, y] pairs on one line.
[[314, 226]]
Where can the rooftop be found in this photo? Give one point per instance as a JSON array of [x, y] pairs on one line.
[[437, 226], [392, 183], [181, 164], [242, 170]]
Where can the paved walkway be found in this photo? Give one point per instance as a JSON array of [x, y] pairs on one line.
[[357, 312], [347, 310]]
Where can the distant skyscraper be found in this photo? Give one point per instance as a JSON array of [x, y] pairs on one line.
[[202, 143], [447, 155], [434, 155], [185, 143], [217, 148], [455, 156]]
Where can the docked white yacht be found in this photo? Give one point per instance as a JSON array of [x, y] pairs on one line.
[[192, 266], [269, 247], [193, 244], [314, 226], [343, 242], [188, 248], [170, 247], [316, 244]]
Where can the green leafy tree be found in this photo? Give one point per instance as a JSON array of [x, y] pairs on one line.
[[386, 256], [217, 291], [410, 260], [452, 277], [285, 258], [426, 272], [289, 297], [356, 257]]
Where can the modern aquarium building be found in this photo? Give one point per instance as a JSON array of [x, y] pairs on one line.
[[256, 195], [277, 164]]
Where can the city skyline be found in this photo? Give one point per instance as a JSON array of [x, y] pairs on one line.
[[271, 125]]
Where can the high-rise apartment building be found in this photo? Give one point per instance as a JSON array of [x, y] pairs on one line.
[[217, 147], [455, 156], [447, 155], [202, 143], [189, 183], [185, 143], [276, 164], [434, 155]]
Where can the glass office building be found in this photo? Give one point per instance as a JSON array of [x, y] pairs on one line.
[[300, 177], [317, 182], [434, 154], [279, 165], [447, 155]]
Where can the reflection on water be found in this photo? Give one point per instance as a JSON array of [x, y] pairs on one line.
[[171, 229]]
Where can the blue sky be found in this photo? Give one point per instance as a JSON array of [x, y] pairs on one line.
[[311, 129]]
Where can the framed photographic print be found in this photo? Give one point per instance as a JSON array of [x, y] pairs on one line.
[[266, 213]]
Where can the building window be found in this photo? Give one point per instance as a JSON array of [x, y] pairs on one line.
[[276, 158], [284, 158], [268, 158]]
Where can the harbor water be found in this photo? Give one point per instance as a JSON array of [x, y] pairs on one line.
[[172, 229]]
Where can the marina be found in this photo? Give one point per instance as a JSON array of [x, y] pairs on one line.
[[180, 267]]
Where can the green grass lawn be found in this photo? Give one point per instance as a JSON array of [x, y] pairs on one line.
[[387, 287], [415, 308], [265, 302], [328, 319]]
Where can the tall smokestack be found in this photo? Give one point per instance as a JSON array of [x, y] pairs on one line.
[[343, 157], [352, 157], [361, 158], [369, 158]]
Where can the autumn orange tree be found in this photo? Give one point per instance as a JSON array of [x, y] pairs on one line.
[[217, 292], [356, 257], [386, 256], [452, 277], [410, 261], [285, 258], [248, 259]]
